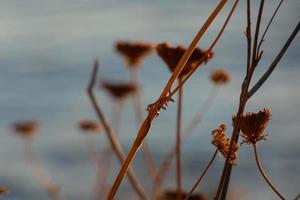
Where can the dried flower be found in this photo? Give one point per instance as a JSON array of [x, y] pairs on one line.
[[89, 126], [172, 195], [133, 52], [253, 125], [222, 142], [26, 129], [172, 55], [119, 90], [220, 76], [3, 191]]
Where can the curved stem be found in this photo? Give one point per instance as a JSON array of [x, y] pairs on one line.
[[202, 175], [263, 173]]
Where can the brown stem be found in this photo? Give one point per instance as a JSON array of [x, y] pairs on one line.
[[113, 139], [178, 144], [202, 175], [264, 174], [155, 108], [45, 181], [147, 154]]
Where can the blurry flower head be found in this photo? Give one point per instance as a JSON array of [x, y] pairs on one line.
[[253, 125], [119, 90], [172, 55], [133, 52], [3, 191], [26, 129], [172, 195], [220, 77], [222, 142], [89, 126]]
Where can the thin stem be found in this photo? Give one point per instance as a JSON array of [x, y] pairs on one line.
[[45, 181], [147, 154], [271, 68], [113, 139], [264, 174], [154, 109], [202, 175], [256, 58], [268, 26], [178, 143]]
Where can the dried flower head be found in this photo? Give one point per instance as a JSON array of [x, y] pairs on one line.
[[220, 76], [26, 129], [222, 142], [253, 125], [3, 191], [172, 195], [172, 55], [119, 90], [133, 52], [89, 126]]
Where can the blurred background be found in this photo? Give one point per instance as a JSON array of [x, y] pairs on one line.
[[47, 50]]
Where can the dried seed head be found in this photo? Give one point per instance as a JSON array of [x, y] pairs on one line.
[[133, 52], [253, 125], [119, 90], [89, 126], [172, 55], [172, 195], [220, 77], [222, 142], [26, 129], [3, 191]]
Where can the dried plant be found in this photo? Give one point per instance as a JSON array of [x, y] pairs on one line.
[[254, 55], [27, 130], [166, 95]]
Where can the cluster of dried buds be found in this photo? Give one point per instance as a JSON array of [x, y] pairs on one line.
[[172, 55], [119, 91], [133, 52], [25, 129], [222, 142], [220, 77]]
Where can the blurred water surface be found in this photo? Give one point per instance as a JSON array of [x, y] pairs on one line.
[[46, 54]]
